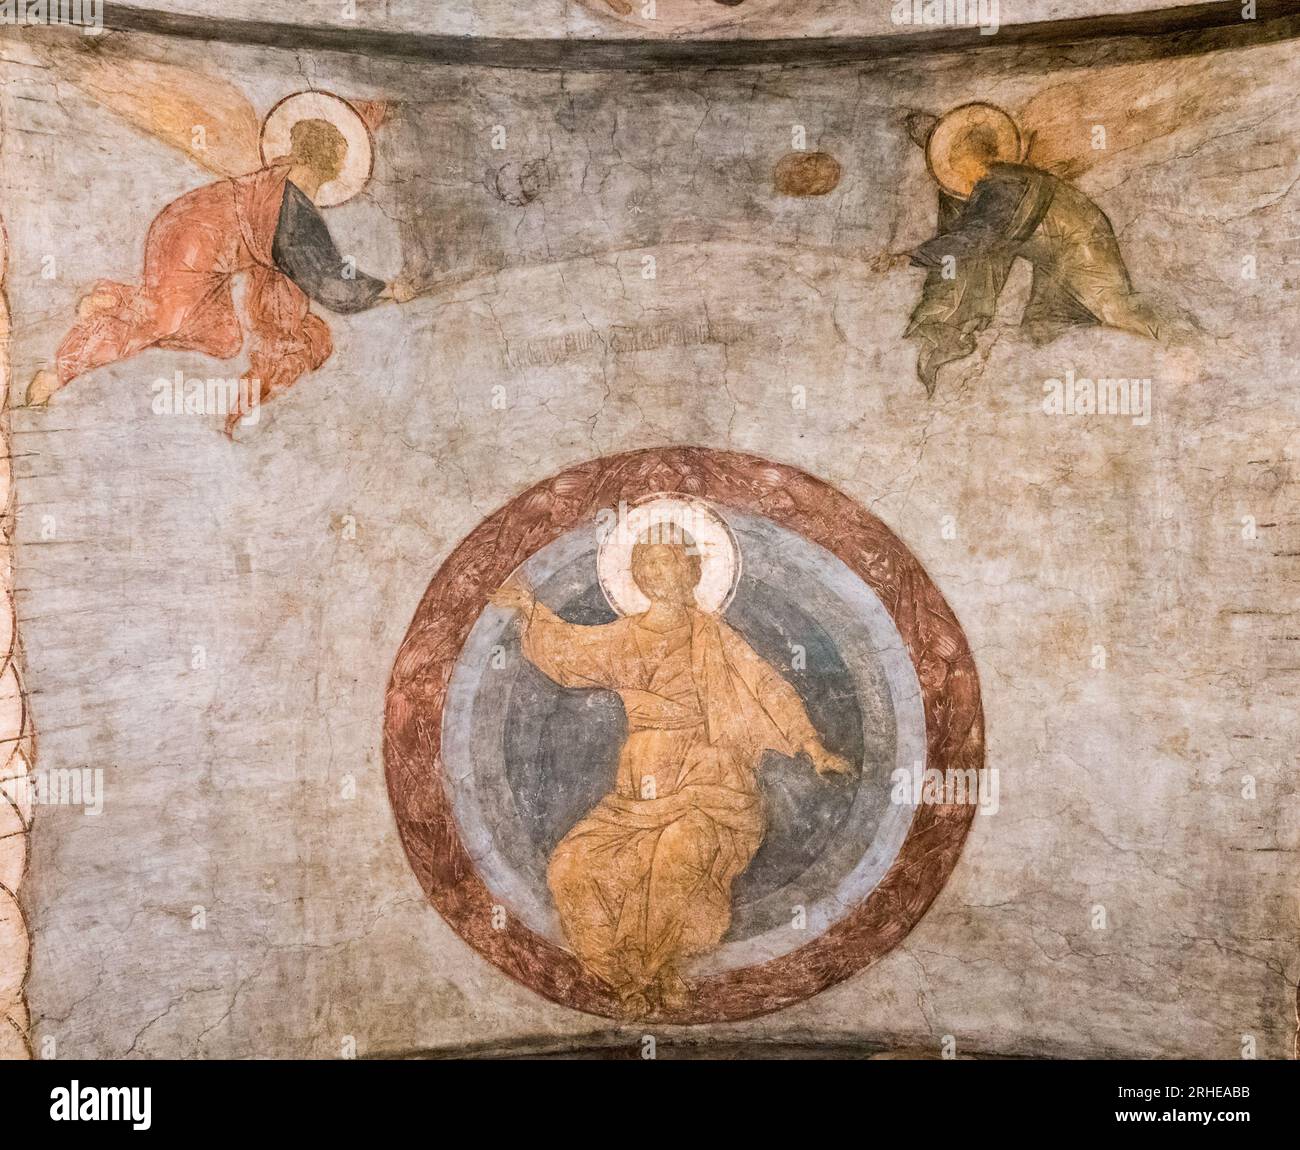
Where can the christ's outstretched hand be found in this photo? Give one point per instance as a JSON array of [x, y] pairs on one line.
[[827, 762], [515, 595]]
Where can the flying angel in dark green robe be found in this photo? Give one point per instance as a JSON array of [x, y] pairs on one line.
[[1014, 211]]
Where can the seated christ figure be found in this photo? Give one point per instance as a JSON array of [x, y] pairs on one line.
[[643, 882]]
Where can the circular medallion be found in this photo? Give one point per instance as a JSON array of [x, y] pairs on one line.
[[678, 785]]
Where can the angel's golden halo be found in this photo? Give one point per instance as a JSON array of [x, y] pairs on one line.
[[996, 130], [360, 158], [667, 518]]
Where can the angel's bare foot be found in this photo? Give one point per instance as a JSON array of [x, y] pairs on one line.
[[44, 384], [93, 302], [928, 369]]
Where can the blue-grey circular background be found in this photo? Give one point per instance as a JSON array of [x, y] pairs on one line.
[[526, 758]]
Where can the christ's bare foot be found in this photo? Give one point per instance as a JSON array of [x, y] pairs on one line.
[[44, 384], [634, 1005], [674, 993]]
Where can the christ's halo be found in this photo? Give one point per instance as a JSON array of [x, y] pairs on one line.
[[716, 545]]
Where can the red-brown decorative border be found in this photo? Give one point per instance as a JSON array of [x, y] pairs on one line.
[[478, 566]]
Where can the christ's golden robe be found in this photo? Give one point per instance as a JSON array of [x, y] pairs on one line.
[[645, 879]]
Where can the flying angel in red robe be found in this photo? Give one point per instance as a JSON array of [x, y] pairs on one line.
[[262, 222]]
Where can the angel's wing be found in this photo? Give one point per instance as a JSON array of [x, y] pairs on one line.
[[1134, 104], [210, 120]]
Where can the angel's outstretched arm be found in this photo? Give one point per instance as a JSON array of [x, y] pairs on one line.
[[985, 226], [305, 251]]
